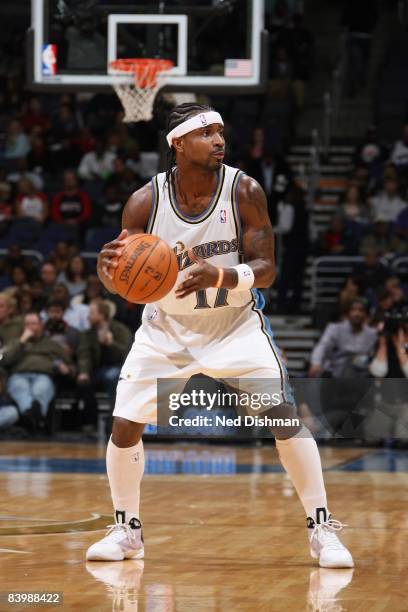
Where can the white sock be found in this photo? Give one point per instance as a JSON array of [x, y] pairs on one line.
[[300, 458], [125, 467]]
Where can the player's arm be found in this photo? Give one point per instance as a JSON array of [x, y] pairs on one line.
[[257, 233], [134, 221], [258, 246]]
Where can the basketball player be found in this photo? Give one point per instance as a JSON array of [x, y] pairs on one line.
[[215, 216]]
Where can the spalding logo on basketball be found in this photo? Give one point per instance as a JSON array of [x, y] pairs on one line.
[[147, 269]]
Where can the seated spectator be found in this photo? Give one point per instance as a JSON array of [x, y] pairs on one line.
[[39, 160], [102, 349], [19, 278], [31, 203], [38, 295], [350, 291], [15, 258], [387, 205], [94, 289], [59, 331], [339, 238], [123, 179], [391, 357], [17, 143], [371, 274], [393, 285], [6, 209], [22, 170], [72, 205], [48, 274], [9, 414], [25, 302], [60, 256], [353, 207], [34, 119], [344, 347], [64, 125], [399, 153], [76, 315], [383, 239], [361, 178], [97, 164], [32, 361], [109, 208], [383, 303], [371, 153], [271, 171], [11, 325], [74, 276]]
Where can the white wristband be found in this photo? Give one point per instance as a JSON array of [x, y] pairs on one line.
[[246, 278]]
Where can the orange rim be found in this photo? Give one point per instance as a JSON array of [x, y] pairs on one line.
[[142, 68]]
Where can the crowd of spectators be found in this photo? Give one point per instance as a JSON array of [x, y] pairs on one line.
[[367, 338], [59, 337]]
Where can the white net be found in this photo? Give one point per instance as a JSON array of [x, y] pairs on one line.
[[137, 96]]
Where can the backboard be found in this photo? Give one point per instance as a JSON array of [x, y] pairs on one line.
[[216, 45]]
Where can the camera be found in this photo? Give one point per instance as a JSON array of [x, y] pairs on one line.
[[54, 326], [394, 319]]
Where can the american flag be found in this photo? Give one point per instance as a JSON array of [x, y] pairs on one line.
[[238, 68]]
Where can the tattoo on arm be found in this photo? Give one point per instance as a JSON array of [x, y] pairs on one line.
[[258, 239]]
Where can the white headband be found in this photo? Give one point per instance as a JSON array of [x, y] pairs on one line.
[[198, 121]]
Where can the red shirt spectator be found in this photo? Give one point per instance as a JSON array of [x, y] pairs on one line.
[[72, 205]]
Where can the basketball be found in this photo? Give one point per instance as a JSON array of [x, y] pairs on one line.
[[147, 269]]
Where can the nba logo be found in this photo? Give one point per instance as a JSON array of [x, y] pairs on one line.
[[223, 215], [49, 60], [203, 120]]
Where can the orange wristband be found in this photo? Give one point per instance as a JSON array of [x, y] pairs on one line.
[[220, 278]]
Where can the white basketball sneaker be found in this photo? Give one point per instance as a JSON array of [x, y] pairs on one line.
[[326, 546], [122, 541]]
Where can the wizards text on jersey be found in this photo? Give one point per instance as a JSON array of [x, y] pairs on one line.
[[205, 251]]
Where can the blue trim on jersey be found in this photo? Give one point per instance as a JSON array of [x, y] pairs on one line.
[[235, 205], [286, 386], [154, 204]]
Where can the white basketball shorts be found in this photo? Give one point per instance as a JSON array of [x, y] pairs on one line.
[[231, 343]]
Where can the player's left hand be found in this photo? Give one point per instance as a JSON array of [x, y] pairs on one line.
[[202, 276]]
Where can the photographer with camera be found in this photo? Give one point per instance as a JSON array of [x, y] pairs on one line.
[[389, 417], [391, 357]]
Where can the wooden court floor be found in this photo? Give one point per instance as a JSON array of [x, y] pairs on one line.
[[224, 531]]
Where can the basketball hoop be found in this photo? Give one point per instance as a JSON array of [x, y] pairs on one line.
[[137, 97]]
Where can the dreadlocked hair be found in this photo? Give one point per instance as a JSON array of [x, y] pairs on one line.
[[178, 115]]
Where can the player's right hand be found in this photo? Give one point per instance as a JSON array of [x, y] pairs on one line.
[[107, 260]]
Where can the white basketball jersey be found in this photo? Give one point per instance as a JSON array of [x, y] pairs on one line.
[[214, 235]]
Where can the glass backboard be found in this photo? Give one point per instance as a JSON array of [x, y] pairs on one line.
[[215, 45]]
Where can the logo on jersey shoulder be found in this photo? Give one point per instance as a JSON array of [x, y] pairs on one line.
[[223, 215]]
